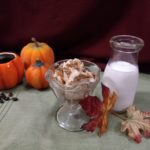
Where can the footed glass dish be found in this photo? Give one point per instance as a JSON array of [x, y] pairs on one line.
[[70, 115]]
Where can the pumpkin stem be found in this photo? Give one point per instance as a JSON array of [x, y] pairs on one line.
[[33, 39], [39, 63]]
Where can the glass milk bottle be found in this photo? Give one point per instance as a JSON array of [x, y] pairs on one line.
[[121, 73]]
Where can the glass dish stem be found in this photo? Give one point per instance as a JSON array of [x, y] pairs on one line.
[[71, 116]]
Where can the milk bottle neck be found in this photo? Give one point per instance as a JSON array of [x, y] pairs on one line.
[[125, 48], [123, 56]]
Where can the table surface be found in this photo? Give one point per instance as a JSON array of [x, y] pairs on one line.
[[30, 124]]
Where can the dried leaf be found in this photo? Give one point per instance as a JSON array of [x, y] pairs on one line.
[[108, 103], [92, 106], [91, 125], [136, 123], [98, 110]]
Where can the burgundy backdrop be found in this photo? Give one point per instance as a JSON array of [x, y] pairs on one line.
[[75, 28]]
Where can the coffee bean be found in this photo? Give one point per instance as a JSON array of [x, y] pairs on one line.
[[15, 99], [3, 95], [6, 98], [10, 94], [1, 101]]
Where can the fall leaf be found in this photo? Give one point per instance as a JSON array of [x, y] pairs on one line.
[[92, 106], [136, 123], [108, 103], [98, 110]]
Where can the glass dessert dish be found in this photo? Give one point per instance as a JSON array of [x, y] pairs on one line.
[[71, 81]]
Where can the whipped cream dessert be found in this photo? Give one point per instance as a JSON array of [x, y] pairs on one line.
[[72, 72], [74, 79]]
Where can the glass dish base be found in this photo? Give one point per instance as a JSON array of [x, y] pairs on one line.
[[71, 117]]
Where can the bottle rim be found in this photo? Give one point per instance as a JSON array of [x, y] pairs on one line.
[[126, 43]]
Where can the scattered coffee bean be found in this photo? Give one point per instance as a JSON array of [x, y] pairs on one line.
[[10, 94], [3, 95], [6, 96], [1, 101], [15, 99]]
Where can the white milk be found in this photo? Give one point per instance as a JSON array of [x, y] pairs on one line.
[[122, 77]]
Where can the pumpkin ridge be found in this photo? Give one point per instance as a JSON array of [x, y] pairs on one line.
[[36, 84], [43, 69], [25, 56], [41, 76], [29, 76], [2, 81], [36, 55], [50, 55], [42, 57], [17, 71]]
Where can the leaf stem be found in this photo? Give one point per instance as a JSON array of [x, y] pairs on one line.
[[117, 115]]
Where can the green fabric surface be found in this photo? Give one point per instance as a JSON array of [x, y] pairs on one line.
[[30, 124]]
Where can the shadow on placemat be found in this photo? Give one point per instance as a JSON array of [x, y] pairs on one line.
[[4, 109]]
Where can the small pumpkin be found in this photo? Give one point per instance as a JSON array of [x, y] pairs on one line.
[[35, 75], [11, 70], [37, 50]]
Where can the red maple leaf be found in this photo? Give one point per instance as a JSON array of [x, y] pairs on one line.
[[92, 106], [98, 110]]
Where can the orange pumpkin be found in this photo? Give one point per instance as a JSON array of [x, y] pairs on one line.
[[37, 50], [11, 70], [35, 75]]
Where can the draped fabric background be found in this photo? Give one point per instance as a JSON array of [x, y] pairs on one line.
[[75, 28]]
